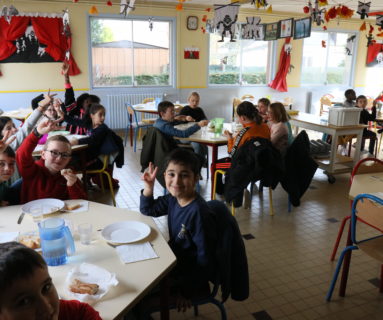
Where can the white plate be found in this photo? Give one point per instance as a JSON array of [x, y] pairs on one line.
[[59, 132], [125, 232], [43, 206]]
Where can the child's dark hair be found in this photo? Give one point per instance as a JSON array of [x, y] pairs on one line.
[[94, 99], [9, 152], [264, 101], [81, 99], [247, 109], [163, 106], [361, 97], [3, 122], [17, 262], [93, 109], [348, 92], [186, 158]]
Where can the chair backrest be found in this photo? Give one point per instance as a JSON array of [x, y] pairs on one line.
[[367, 165], [369, 209], [146, 100], [236, 102], [178, 107], [325, 100], [247, 96], [132, 113], [288, 101]]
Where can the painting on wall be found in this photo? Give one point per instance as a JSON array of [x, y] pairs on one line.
[[286, 28], [271, 31], [302, 28]]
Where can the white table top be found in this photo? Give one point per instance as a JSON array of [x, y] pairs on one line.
[[314, 119], [135, 279], [204, 135], [366, 183], [19, 114]]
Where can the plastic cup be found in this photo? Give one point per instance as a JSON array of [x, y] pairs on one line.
[[37, 212], [85, 232]]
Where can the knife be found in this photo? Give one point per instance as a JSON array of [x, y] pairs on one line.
[[21, 218]]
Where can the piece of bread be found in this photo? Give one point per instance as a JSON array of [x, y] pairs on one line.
[[30, 241], [78, 286], [64, 171], [71, 207]]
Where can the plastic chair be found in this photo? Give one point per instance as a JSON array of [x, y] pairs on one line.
[[149, 120], [135, 124], [325, 100], [366, 208], [360, 168], [288, 102], [236, 102], [105, 163], [222, 172], [178, 108], [247, 96]]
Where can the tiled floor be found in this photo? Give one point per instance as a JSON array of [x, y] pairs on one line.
[[288, 255]]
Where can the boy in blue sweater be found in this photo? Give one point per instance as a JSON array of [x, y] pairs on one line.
[[190, 221], [167, 120]]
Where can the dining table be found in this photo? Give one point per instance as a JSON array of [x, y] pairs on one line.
[[18, 114], [135, 280]]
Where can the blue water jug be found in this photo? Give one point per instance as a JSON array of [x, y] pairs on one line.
[[56, 241]]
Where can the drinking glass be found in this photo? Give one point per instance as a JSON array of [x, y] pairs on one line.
[[85, 232]]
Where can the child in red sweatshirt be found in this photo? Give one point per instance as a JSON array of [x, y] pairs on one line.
[[45, 178]]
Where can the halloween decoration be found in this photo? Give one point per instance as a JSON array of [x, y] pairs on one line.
[[363, 9], [191, 53], [279, 83], [248, 29], [340, 12], [259, 3], [317, 14], [370, 39], [93, 10], [126, 6], [379, 20], [225, 18], [66, 30], [150, 20], [350, 45]]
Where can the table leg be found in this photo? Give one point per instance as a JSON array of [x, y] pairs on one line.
[[131, 129], [164, 299], [346, 265], [214, 156]]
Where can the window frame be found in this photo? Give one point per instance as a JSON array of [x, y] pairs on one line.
[[172, 55], [270, 67], [351, 79]]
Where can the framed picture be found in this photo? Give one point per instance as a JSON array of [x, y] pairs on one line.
[[259, 32], [286, 28], [271, 31], [302, 28]]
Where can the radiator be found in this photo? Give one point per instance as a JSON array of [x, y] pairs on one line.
[[117, 114]]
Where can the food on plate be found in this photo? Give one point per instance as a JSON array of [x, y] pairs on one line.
[[73, 206], [64, 171], [78, 286], [30, 240]]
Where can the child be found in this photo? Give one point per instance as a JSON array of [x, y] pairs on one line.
[[98, 132], [263, 105], [8, 196], [166, 122], [28, 291], [76, 108], [45, 178], [193, 110], [365, 117], [350, 98], [278, 126], [190, 221]]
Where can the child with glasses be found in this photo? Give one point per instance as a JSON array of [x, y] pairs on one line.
[[46, 177]]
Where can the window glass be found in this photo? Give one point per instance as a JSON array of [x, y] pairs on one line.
[[125, 52], [243, 62]]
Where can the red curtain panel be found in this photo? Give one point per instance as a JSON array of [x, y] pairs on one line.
[[279, 83], [9, 32], [373, 51]]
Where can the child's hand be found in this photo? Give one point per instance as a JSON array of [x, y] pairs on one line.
[[48, 99], [57, 106], [189, 119], [228, 134], [6, 141], [149, 178], [65, 68], [70, 177], [47, 126], [203, 123]]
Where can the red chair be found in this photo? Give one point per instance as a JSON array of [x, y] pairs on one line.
[[360, 168]]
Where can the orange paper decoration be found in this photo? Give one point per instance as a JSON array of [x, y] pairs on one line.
[[322, 3], [324, 28], [380, 34], [75, 1], [363, 27], [93, 10], [208, 9], [179, 7], [109, 3], [269, 9], [204, 18]]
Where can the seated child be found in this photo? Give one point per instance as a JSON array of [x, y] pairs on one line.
[[365, 117], [45, 178], [263, 105], [28, 291], [191, 223], [98, 131], [279, 128], [166, 122], [350, 98], [190, 113]]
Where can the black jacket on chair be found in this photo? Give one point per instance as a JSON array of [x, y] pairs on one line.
[[230, 255], [256, 160], [300, 168], [155, 147]]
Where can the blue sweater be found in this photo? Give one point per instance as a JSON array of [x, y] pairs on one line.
[[167, 128]]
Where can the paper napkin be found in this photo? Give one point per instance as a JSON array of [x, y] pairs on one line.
[[136, 252]]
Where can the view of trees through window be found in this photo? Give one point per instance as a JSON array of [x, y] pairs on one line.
[[327, 59], [126, 52], [243, 62]]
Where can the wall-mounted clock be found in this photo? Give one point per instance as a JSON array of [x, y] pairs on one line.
[[192, 23]]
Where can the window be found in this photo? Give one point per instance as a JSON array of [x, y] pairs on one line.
[[125, 52], [325, 58], [244, 62]]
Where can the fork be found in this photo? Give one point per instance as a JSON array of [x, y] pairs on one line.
[[21, 217]]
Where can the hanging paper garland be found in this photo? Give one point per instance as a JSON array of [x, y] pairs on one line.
[[363, 27], [363, 9], [339, 11], [225, 18], [93, 10], [126, 6], [379, 21], [322, 3], [179, 7]]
